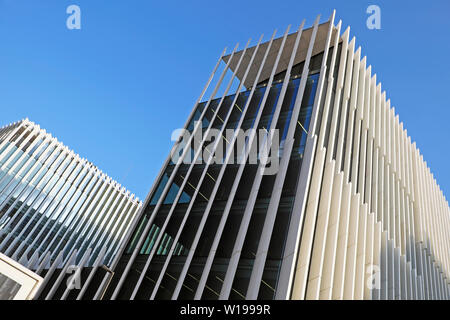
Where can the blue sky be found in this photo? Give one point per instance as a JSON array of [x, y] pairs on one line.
[[116, 89]]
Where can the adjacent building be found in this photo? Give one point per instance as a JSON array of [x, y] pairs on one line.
[[56, 207]]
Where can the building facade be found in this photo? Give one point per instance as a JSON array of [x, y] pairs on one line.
[[346, 208], [56, 207]]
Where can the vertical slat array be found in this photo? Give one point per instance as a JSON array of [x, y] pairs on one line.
[[368, 220], [136, 267], [374, 210], [197, 127], [50, 202], [56, 284]]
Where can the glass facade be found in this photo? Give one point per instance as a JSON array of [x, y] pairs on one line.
[[179, 211], [53, 201]]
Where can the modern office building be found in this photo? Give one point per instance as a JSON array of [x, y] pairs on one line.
[[56, 207], [345, 208]]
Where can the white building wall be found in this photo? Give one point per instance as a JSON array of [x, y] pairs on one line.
[[374, 209]]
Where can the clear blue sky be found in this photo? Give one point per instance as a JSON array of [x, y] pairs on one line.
[[116, 89]]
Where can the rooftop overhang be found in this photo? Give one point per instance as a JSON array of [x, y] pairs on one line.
[[285, 56]]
